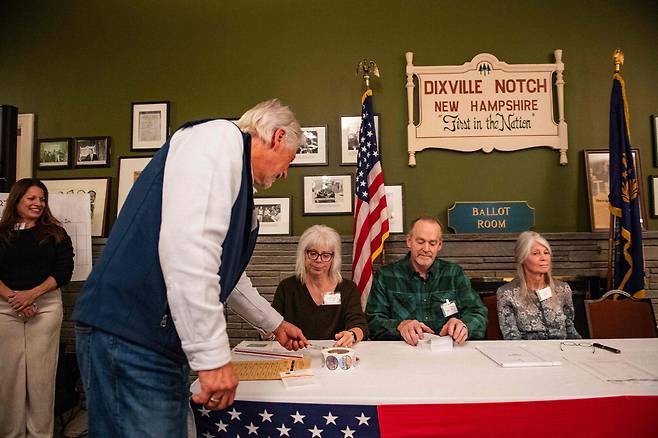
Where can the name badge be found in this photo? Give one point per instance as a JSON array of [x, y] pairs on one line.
[[448, 308], [544, 294], [331, 299]]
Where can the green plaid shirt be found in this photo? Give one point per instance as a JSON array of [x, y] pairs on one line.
[[399, 293]]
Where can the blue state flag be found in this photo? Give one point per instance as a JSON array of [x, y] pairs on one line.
[[627, 260]]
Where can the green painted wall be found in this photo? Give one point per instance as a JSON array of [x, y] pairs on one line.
[[79, 64]]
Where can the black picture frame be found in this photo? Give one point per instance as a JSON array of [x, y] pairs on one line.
[[53, 153], [654, 131], [653, 193], [328, 194], [92, 151]]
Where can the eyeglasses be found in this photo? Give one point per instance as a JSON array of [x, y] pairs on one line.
[[567, 345], [315, 256]]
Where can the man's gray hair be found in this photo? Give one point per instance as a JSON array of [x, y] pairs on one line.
[[320, 235], [266, 117]]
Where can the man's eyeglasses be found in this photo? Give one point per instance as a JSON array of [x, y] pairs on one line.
[[567, 345], [322, 256]]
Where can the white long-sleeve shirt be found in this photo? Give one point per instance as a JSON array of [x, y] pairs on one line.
[[202, 179]]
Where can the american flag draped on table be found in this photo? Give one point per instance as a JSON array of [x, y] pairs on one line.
[[261, 419], [370, 214], [627, 260]]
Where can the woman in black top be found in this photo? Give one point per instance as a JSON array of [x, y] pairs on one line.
[[36, 259]]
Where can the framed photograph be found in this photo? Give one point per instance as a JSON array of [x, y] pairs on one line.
[[98, 190], [597, 169], [92, 151], [273, 215], [150, 125], [395, 207], [314, 150], [328, 194], [25, 146], [654, 129], [54, 153], [349, 137], [653, 193], [129, 169]]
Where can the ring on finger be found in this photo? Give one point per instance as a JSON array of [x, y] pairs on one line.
[[214, 400]]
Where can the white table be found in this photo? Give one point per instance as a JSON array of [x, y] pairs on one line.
[[422, 393]]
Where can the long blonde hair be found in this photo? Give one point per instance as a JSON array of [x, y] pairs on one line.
[[521, 252]]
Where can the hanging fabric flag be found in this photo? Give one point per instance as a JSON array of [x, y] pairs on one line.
[[370, 215], [627, 256]]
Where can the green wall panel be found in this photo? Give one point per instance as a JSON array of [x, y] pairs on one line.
[[79, 64]]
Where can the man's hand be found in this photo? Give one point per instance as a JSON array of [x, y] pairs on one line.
[[412, 330], [456, 329], [217, 387], [290, 336]]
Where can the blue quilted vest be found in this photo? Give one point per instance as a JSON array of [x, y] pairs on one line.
[[125, 293]]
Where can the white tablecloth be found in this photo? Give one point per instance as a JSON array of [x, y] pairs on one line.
[[396, 373]]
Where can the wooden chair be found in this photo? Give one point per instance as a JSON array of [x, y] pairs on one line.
[[625, 318], [493, 326]]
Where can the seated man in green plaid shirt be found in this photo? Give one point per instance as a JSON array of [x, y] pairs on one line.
[[422, 294]]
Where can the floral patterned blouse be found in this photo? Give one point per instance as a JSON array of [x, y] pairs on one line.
[[528, 318]]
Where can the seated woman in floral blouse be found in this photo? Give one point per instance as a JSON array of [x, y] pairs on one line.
[[533, 305]]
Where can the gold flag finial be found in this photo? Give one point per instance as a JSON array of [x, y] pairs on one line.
[[618, 57], [366, 69]]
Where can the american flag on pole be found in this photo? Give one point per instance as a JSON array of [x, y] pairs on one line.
[[370, 215]]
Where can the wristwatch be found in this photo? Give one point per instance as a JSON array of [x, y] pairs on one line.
[[353, 335]]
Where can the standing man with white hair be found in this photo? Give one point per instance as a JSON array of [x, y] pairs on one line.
[[153, 305]]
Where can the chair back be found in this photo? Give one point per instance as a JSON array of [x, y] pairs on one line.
[[493, 325], [625, 318]]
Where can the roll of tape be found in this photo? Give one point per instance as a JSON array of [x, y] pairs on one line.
[[338, 358]]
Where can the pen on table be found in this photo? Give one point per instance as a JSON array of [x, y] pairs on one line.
[[606, 348]]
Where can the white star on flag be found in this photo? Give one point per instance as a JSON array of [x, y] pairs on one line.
[[204, 412], [221, 426], [208, 435], [266, 416], [283, 430], [363, 419], [252, 429], [235, 414], [347, 432], [330, 418], [299, 418], [316, 432]]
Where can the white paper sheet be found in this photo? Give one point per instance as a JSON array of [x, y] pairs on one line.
[[616, 370], [507, 355]]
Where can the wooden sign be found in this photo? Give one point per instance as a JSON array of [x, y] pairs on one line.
[[486, 104]]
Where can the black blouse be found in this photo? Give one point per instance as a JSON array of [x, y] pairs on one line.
[[26, 261]]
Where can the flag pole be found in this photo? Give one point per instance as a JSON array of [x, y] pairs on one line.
[[618, 59]]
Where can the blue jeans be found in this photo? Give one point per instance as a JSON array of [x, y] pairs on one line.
[[131, 391]]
